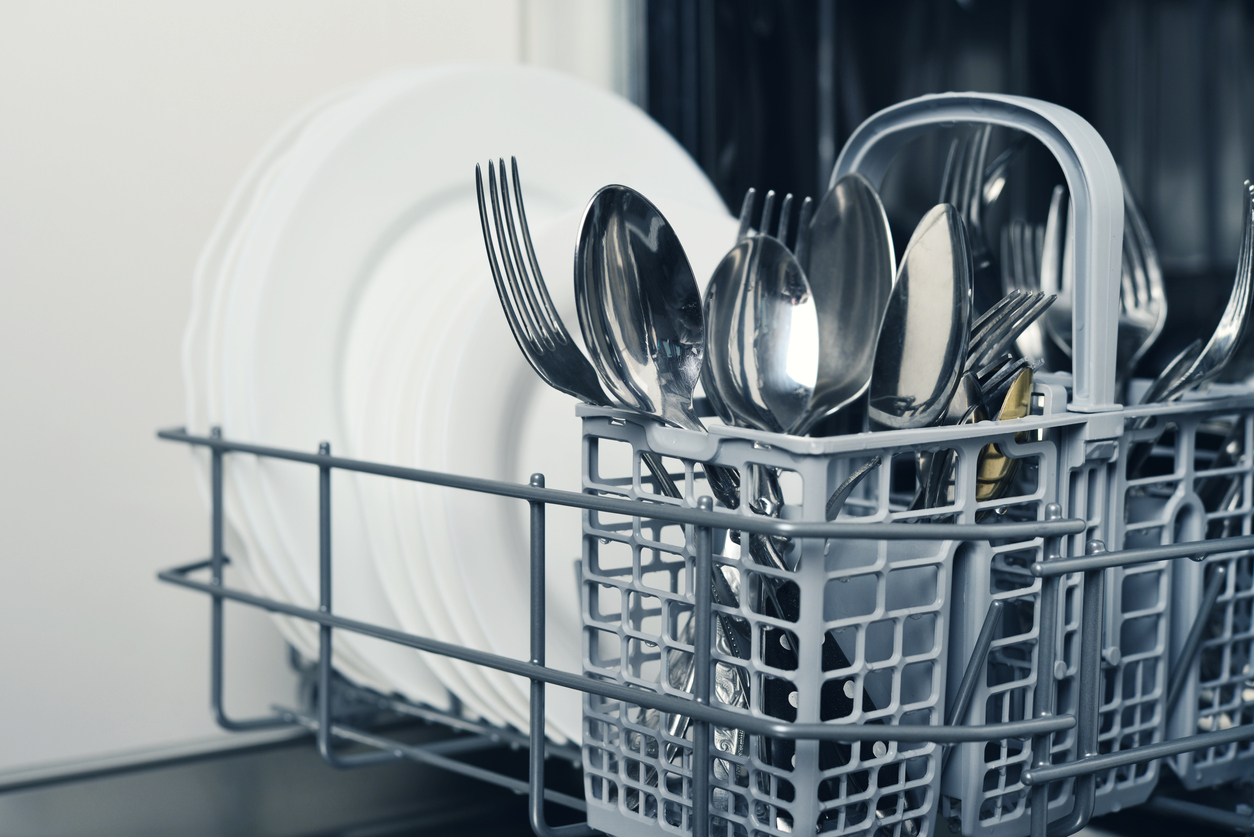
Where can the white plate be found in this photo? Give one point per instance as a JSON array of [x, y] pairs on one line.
[[287, 551], [400, 176], [509, 426], [200, 364]]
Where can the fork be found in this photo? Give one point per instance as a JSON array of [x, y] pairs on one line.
[[533, 319], [1144, 298], [1202, 367], [559, 361], [1227, 336], [1036, 256], [801, 244], [962, 186]]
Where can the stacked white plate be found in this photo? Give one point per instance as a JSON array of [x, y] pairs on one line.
[[345, 297]]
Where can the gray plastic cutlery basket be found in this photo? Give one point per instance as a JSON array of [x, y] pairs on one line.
[[905, 614], [1197, 486], [915, 632]]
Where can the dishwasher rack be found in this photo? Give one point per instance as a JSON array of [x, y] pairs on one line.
[[705, 716]]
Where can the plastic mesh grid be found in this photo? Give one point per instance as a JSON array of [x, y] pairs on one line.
[[1196, 485], [983, 788], [881, 608]]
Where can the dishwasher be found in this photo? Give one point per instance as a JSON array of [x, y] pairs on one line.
[[1068, 651]]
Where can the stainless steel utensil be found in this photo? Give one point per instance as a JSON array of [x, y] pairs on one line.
[[1143, 299], [1054, 256], [640, 313], [1193, 367], [994, 470], [962, 186], [850, 267], [1219, 350], [1021, 245], [762, 332], [1020, 312], [1040, 257], [922, 345], [639, 306], [529, 310]]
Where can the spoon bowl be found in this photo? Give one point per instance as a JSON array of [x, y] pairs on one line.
[[639, 306], [850, 264], [762, 333], [923, 338]]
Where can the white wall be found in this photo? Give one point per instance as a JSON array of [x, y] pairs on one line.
[[123, 126]]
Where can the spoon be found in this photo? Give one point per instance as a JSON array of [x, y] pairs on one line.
[[850, 265], [640, 312], [762, 330], [994, 471], [922, 343]]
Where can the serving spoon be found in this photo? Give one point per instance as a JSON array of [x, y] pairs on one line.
[[922, 343]]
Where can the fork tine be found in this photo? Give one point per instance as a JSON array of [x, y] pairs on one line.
[[995, 174], [1025, 316], [1127, 288], [998, 325], [1029, 258], [746, 214], [556, 327], [1138, 277], [1038, 253], [785, 210], [768, 206], [1018, 256], [522, 334], [528, 294], [802, 250], [522, 310], [1149, 255], [1245, 266], [983, 321]]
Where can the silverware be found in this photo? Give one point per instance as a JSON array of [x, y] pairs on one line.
[[1193, 367], [529, 310], [1002, 325], [1219, 350], [963, 187], [850, 266], [550, 350], [640, 313], [1143, 299], [922, 345], [639, 306], [1034, 257], [994, 471], [762, 332], [1021, 245], [532, 318]]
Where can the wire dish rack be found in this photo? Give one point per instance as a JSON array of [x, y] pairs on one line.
[[911, 731], [1010, 660]]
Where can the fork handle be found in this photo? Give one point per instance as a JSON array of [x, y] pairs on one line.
[[724, 482]]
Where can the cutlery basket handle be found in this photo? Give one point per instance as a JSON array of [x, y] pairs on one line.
[[1096, 195]]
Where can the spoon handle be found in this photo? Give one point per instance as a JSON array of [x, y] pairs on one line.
[[665, 484]]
